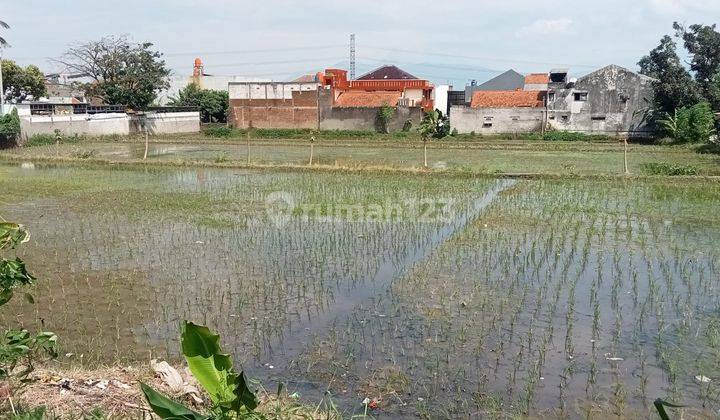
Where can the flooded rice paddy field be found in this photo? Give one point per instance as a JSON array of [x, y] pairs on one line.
[[438, 296], [563, 157]]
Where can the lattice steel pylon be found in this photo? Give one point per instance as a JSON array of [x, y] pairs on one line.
[[352, 56]]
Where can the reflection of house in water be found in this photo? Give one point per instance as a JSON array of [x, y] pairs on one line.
[[610, 100]]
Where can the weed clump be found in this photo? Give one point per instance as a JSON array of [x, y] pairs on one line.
[[669, 169], [221, 132]]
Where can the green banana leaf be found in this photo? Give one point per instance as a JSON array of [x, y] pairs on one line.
[[214, 370], [166, 408]]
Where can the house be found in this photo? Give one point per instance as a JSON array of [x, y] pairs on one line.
[[510, 80], [537, 82], [414, 92], [331, 101], [503, 111], [610, 100]]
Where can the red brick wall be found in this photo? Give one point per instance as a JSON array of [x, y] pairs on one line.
[[299, 112]]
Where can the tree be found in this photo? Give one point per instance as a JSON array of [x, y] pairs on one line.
[[703, 44], [384, 114], [690, 124], [434, 125], [19, 83], [674, 86], [213, 104], [3, 42], [121, 72], [9, 128]]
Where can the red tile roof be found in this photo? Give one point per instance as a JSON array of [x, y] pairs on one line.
[[507, 99], [354, 98], [537, 79]]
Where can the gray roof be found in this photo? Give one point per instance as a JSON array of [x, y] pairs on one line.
[[510, 80], [387, 73]]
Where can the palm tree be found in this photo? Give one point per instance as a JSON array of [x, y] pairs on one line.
[[3, 25]]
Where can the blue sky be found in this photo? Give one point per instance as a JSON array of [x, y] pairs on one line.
[[445, 41]]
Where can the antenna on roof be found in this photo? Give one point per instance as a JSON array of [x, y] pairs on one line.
[[352, 56]]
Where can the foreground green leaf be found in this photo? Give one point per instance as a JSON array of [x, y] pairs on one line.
[[166, 408], [660, 405], [214, 370]]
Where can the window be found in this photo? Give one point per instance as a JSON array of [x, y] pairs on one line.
[[487, 125], [488, 118], [515, 118], [565, 118], [551, 97], [552, 117], [598, 118], [581, 96]]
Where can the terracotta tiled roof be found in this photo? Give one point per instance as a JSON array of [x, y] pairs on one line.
[[387, 73], [507, 99], [367, 99], [537, 79]]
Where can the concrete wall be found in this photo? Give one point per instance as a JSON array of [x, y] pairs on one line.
[[167, 123], [366, 118], [109, 124], [495, 120]]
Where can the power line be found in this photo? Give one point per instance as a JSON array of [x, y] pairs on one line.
[[469, 57], [264, 63], [267, 50]]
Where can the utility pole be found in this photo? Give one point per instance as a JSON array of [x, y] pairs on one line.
[[352, 56]]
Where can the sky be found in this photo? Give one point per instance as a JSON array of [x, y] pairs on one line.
[[447, 42]]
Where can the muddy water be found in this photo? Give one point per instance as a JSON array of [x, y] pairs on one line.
[[516, 303]]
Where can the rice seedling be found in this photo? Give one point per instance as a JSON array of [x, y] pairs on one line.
[[532, 296]]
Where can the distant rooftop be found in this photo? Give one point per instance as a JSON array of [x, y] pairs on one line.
[[507, 99], [537, 79], [387, 73], [356, 98]]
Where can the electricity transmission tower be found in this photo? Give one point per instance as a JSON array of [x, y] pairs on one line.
[[352, 56]]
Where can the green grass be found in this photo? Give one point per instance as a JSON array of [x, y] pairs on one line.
[[669, 169], [565, 158]]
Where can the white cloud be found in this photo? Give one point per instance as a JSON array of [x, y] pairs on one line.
[[543, 27]]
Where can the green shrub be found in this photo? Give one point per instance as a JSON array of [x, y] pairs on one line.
[[221, 131], [669, 169], [570, 136], [9, 127], [384, 114], [689, 124], [84, 154], [407, 126], [40, 140], [47, 139], [222, 157]]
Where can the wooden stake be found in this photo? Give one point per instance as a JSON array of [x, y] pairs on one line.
[[147, 143], [312, 144], [247, 137], [627, 171], [425, 153]]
